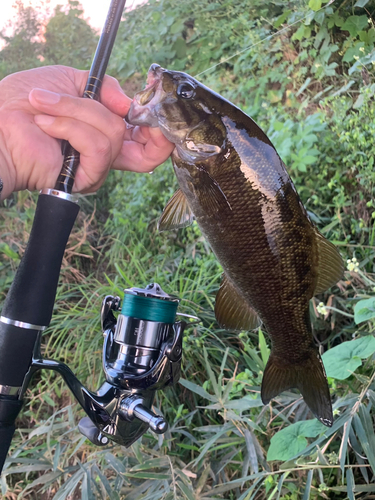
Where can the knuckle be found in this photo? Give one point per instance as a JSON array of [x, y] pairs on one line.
[[103, 147], [118, 128]]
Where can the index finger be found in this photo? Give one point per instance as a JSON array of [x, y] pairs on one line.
[[113, 97], [85, 110], [150, 150]]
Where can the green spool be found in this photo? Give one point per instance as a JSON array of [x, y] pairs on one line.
[[149, 309]]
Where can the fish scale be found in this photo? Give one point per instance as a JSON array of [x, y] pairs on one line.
[[236, 186]]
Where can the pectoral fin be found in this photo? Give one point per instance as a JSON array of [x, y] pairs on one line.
[[209, 193], [176, 213], [232, 311], [330, 264]]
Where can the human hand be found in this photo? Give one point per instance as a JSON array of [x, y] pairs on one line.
[[39, 107]]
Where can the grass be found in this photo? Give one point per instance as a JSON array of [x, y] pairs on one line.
[[222, 442]]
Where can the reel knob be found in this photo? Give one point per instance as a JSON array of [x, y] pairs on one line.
[[132, 407]]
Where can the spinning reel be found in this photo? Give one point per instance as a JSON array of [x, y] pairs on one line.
[[141, 354]]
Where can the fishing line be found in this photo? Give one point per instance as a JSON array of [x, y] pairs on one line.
[[262, 40]]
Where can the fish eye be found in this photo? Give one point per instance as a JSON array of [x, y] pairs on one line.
[[186, 91]]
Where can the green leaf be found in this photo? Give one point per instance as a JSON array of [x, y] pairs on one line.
[[306, 494], [86, 491], [151, 464], [177, 27], [148, 475], [350, 484], [180, 47], [48, 399], [116, 464], [315, 4], [344, 443], [264, 351], [69, 486], [365, 439], [301, 167], [290, 441], [6, 250], [367, 36], [278, 126], [187, 446], [197, 389], [300, 33], [341, 361], [364, 309], [355, 24], [361, 3], [243, 404], [319, 17], [309, 159], [156, 16], [368, 427], [186, 491], [353, 52], [280, 20]]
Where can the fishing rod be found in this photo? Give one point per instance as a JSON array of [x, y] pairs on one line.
[[142, 346]]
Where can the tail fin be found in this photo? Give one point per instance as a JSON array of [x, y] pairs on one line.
[[308, 377]]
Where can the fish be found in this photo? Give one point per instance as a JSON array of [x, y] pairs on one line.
[[235, 185]]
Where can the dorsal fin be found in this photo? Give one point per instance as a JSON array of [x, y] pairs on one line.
[[231, 309], [330, 264], [176, 213]]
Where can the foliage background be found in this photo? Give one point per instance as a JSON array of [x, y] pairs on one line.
[[304, 70]]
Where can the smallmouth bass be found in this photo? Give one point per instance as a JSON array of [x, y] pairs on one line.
[[233, 182]]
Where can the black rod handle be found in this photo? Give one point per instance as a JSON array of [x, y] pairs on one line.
[[6, 435], [99, 65], [9, 409], [32, 294], [29, 304]]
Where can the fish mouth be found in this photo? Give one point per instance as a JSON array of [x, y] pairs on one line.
[[154, 74], [142, 109]]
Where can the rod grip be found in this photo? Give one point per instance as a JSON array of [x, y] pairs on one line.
[[9, 409], [32, 294], [16, 352]]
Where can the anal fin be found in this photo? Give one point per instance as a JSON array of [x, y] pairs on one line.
[[330, 264], [308, 377], [176, 213], [232, 311]]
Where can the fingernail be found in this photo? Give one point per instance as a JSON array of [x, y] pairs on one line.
[[45, 96], [44, 119]]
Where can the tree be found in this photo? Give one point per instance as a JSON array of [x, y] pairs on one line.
[[69, 40], [65, 38], [22, 49]]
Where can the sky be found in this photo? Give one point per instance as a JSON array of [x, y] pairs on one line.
[[95, 10]]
